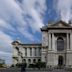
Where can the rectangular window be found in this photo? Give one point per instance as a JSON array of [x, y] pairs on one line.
[[30, 51], [35, 51], [25, 51], [39, 51]]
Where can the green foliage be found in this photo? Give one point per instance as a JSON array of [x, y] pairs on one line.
[[19, 65], [41, 65], [12, 65], [31, 66], [37, 65], [2, 66]]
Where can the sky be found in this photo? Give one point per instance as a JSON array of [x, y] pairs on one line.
[[22, 20]]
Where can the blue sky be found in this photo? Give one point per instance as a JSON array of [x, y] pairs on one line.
[[22, 20]]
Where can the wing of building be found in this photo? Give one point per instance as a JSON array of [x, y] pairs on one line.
[[55, 49]]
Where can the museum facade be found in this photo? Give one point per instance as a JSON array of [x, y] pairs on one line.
[[55, 49]]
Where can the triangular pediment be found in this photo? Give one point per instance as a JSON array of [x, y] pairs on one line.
[[60, 24], [57, 25]]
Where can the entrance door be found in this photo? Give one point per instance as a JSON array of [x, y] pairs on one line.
[[60, 60]]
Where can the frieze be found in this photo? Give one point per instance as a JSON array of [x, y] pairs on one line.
[[59, 31]]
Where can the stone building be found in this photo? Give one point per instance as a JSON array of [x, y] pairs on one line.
[[29, 53], [55, 49]]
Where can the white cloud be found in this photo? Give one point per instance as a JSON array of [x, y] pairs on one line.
[[35, 9], [6, 38], [36, 23], [6, 56], [26, 34], [64, 9], [17, 17], [5, 25], [5, 46], [15, 13]]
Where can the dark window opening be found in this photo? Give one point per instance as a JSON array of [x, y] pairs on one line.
[[39, 60], [60, 60], [29, 60], [24, 61], [34, 60]]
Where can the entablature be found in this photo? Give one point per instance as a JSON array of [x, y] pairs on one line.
[[60, 31]]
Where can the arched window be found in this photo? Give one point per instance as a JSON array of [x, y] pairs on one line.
[[34, 60], [29, 60], [24, 61], [39, 60], [60, 44]]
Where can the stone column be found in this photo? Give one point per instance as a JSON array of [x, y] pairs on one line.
[[53, 42], [71, 41], [67, 41], [49, 41]]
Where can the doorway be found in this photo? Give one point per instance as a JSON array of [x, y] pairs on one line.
[[60, 60]]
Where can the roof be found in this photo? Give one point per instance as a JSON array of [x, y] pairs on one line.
[[35, 44], [58, 25], [31, 44]]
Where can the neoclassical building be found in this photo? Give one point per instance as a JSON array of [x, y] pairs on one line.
[[55, 49]]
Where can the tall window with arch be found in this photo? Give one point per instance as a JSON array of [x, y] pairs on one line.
[[60, 44]]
